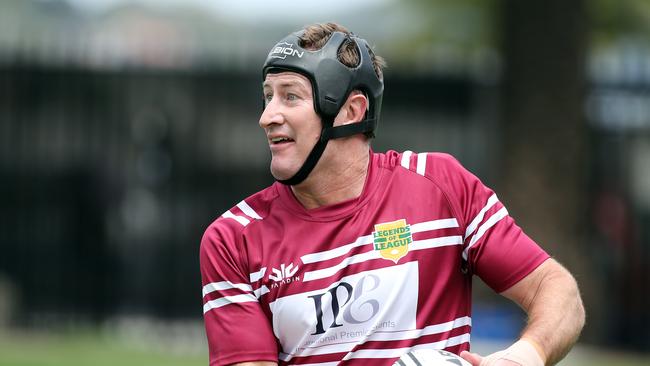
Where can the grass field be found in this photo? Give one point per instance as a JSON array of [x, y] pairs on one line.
[[580, 355], [589, 356], [89, 349], [95, 349]]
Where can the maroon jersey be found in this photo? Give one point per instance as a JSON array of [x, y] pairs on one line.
[[364, 280]]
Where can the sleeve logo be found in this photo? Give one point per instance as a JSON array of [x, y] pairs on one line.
[[392, 239]]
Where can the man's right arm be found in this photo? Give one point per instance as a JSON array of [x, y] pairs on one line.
[[237, 329]]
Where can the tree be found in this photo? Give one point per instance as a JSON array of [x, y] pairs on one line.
[[544, 134]]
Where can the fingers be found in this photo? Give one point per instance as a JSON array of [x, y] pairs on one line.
[[473, 358]]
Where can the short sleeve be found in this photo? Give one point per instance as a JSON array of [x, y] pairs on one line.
[[494, 247], [236, 326]]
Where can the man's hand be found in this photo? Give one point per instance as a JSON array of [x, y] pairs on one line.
[[522, 353], [477, 360]]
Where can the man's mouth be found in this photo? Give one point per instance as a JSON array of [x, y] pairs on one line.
[[280, 140]]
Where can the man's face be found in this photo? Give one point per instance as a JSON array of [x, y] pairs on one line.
[[291, 124]]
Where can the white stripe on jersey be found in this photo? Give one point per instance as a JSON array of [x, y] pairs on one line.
[[434, 225], [388, 336], [225, 285], [398, 352], [483, 228], [240, 219], [417, 333], [406, 159], [336, 252], [436, 242], [374, 254], [226, 300], [256, 276], [248, 210], [330, 271], [472, 226], [422, 163], [367, 239], [261, 291]]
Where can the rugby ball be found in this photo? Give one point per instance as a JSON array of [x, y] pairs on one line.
[[430, 357]]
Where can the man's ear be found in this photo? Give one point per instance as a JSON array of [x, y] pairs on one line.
[[354, 109]]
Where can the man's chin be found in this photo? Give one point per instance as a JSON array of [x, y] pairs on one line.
[[281, 174]]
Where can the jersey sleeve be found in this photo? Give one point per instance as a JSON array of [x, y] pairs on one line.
[[494, 247], [236, 326]]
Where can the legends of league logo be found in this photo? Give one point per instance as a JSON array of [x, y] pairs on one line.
[[392, 239]]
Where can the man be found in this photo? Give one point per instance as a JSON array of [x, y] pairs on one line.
[[357, 257]]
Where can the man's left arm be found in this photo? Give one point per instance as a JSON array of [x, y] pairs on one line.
[[550, 297], [512, 264]]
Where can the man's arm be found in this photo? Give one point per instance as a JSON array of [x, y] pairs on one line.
[[236, 327], [550, 297]]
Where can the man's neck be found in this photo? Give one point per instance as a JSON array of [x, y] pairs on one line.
[[326, 187]]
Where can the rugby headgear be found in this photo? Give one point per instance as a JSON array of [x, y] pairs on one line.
[[332, 82]]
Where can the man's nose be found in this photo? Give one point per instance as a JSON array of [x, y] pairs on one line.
[[271, 115]]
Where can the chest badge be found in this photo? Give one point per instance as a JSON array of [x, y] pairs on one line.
[[392, 239]]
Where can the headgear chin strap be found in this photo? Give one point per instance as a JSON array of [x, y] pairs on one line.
[[332, 82]]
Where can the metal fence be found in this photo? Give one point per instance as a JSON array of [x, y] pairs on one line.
[[108, 178]]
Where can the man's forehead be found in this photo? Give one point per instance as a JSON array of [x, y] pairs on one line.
[[286, 78]]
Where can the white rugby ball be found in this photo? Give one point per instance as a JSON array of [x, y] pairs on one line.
[[430, 357]]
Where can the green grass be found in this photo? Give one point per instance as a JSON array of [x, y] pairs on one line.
[[592, 356], [86, 349], [580, 355], [90, 348]]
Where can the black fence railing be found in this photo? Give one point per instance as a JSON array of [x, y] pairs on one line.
[[108, 178]]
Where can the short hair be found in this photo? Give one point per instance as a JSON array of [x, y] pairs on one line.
[[315, 36]]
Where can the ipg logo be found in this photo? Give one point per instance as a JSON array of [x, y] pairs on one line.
[[284, 49], [345, 303]]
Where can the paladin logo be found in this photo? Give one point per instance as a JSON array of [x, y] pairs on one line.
[[284, 275], [392, 239], [284, 49]]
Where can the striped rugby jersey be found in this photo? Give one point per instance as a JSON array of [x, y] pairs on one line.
[[364, 280]]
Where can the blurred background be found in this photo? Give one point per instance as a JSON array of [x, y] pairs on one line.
[[127, 127]]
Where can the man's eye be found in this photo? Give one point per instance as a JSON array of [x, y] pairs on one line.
[[268, 97], [292, 97]]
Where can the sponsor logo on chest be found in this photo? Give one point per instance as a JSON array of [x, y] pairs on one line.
[[392, 239], [349, 310]]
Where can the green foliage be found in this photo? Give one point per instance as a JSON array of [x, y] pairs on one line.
[[466, 23], [613, 19]]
